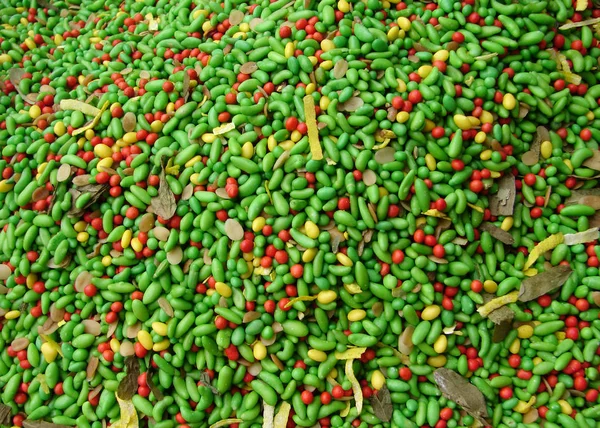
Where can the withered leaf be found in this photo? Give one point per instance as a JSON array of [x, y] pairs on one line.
[[5, 412], [128, 385], [503, 202], [94, 190], [500, 234], [501, 330], [205, 379], [186, 86], [502, 317], [159, 395], [382, 404], [589, 197], [164, 203], [340, 68], [43, 424], [458, 389], [542, 283], [594, 161], [353, 104]]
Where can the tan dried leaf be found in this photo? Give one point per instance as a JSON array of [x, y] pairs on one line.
[[164, 204], [248, 67], [385, 155], [340, 68], [234, 230], [543, 283], [236, 17], [458, 389], [129, 122], [175, 256]]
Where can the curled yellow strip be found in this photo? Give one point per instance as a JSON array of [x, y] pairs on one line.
[[311, 124], [350, 353], [223, 128], [436, 213], [94, 121], [475, 207], [129, 417], [523, 407], [84, 108], [226, 422], [52, 343], [358, 395], [546, 245], [497, 303], [300, 299]]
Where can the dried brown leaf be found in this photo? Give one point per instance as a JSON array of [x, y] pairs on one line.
[[5, 413], [385, 155], [164, 203], [42, 424], [353, 104], [382, 404], [129, 121], [4, 272], [128, 385], [340, 68], [236, 17], [498, 233], [543, 283], [248, 67], [458, 389], [503, 202], [205, 379], [594, 161], [234, 229]]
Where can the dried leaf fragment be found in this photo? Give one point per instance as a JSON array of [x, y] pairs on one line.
[[236, 17], [543, 283], [458, 389], [340, 68], [582, 237], [128, 385], [382, 404], [164, 203], [234, 229], [503, 202], [249, 67], [498, 233], [268, 415]]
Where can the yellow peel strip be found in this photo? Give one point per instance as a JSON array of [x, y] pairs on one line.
[[311, 124], [358, 395], [84, 108], [300, 299], [52, 343], [546, 245], [226, 422], [94, 122], [497, 303], [350, 354], [281, 418], [223, 128]]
